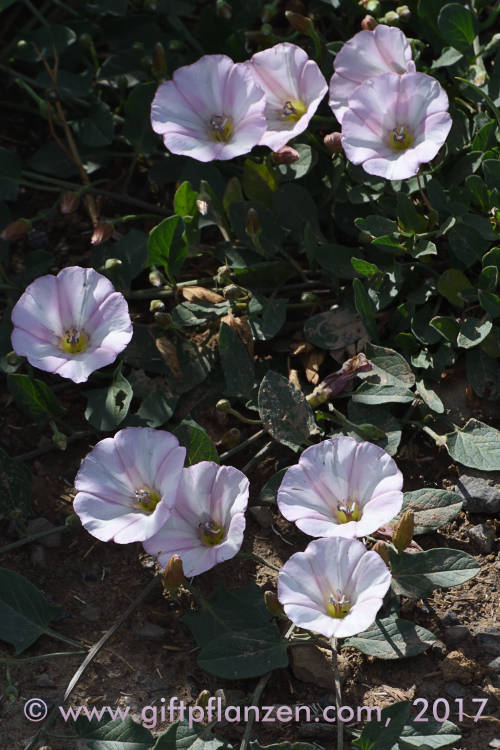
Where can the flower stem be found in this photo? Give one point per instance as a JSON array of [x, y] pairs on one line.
[[259, 559], [255, 698], [338, 694], [33, 538]]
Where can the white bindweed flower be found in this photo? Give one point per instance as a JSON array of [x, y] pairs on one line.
[[71, 324], [127, 485], [341, 488], [335, 587], [208, 521], [294, 86], [210, 110], [367, 54]]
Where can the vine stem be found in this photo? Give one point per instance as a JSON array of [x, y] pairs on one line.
[[338, 694], [33, 538], [255, 698], [424, 197], [259, 559]]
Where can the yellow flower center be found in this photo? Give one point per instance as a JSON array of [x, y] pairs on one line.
[[211, 533], [350, 511], [293, 109], [74, 341], [400, 138], [147, 499], [221, 128], [338, 605]]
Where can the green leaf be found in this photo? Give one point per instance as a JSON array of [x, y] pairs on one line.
[[96, 130], [180, 736], [239, 372], [107, 407], [483, 374], [371, 393], [430, 397], [389, 367], [15, 481], [232, 193], [199, 444], [377, 415], [488, 278], [478, 191], [476, 445], [334, 329], [240, 620], [449, 56], [269, 492], [417, 575], [11, 168], [430, 734], [381, 735], [137, 124], [447, 327], [392, 638], [24, 611], [409, 219], [259, 182], [490, 302], [185, 201], [456, 25], [283, 746], [284, 411], [451, 283], [432, 508], [472, 332], [167, 246], [118, 734], [50, 40], [364, 306], [491, 169], [33, 397], [369, 270], [266, 316], [157, 408]]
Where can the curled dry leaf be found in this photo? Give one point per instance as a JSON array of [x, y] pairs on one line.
[[168, 351], [241, 327], [200, 294], [293, 377], [312, 362]]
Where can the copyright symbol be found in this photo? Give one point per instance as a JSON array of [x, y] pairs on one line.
[[35, 709]]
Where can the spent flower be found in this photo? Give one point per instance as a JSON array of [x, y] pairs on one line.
[[72, 323], [127, 485], [335, 587], [207, 524], [341, 488]]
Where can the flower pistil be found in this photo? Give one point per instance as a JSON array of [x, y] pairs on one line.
[[338, 605], [293, 110], [147, 499], [74, 340], [350, 511], [221, 128], [211, 533]]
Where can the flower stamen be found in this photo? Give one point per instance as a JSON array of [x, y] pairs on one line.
[[211, 533], [293, 109], [147, 499], [349, 511], [221, 128], [400, 138], [74, 340], [338, 605]]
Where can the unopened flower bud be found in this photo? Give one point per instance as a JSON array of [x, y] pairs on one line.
[[231, 438], [203, 698], [333, 143], [299, 22], [390, 18], [73, 521], [173, 576], [309, 297], [372, 6], [69, 202], [156, 278], [159, 61], [13, 359], [156, 305], [285, 155], [163, 319], [223, 9], [403, 12], [223, 405], [369, 23], [233, 291], [274, 606], [58, 438], [223, 276], [202, 205], [403, 531], [16, 230], [253, 226], [382, 549], [112, 263], [102, 232]]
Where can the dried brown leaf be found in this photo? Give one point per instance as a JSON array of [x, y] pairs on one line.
[[200, 294], [241, 327], [168, 351], [312, 362]]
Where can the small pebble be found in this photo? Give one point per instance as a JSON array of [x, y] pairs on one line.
[[483, 537], [455, 690], [495, 664], [91, 613], [488, 639], [262, 515], [149, 632], [450, 618], [37, 525], [455, 634], [38, 556], [495, 743]]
